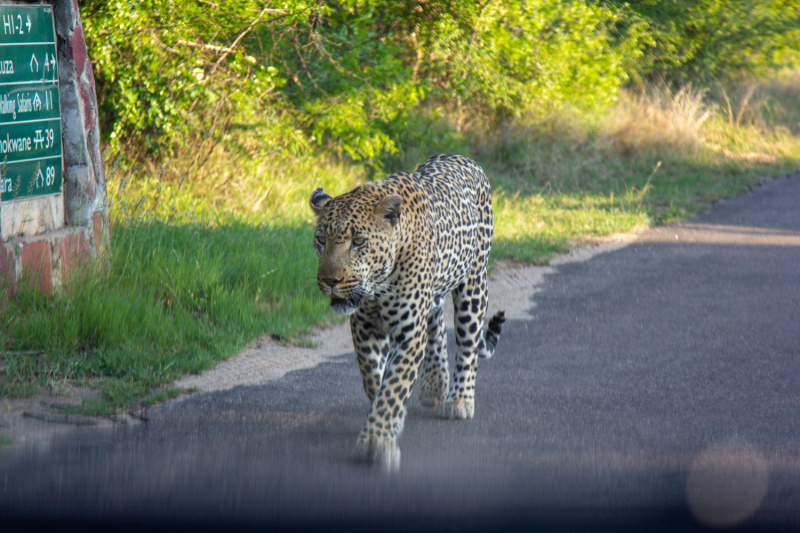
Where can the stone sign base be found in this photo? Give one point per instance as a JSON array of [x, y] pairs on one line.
[[52, 260]]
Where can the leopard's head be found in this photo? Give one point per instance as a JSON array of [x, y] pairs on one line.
[[355, 239]]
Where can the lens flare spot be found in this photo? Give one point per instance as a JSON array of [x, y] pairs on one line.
[[727, 484]]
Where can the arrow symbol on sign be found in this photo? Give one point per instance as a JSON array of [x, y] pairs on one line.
[[53, 61], [29, 24], [33, 60]]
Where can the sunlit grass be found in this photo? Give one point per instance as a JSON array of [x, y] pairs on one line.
[[228, 185], [532, 228]]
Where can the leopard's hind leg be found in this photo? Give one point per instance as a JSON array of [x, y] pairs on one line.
[[470, 302], [434, 376]]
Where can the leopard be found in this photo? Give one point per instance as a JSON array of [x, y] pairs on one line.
[[389, 252]]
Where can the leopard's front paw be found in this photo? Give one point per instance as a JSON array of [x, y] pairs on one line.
[[382, 450], [457, 408]]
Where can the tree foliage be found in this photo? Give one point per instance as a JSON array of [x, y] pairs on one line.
[[350, 74], [715, 39]]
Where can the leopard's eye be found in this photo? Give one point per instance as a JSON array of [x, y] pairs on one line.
[[358, 241], [320, 239]]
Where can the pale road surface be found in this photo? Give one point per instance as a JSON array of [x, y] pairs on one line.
[[655, 387]]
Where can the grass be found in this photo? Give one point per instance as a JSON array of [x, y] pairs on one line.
[[658, 157], [177, 299], [211, 248]]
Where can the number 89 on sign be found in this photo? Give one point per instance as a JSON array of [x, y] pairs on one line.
[[47, 179]]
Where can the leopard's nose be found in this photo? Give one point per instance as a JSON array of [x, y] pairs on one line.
[[332, 282]]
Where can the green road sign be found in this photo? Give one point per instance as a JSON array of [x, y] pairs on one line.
[[30, 114]]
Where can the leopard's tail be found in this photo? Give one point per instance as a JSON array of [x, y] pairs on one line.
[[491, 336]]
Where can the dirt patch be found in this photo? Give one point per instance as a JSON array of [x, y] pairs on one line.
[[35, 421], [267, 360]]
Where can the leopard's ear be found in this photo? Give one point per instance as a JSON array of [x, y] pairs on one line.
[[319, 199], [389, 208]]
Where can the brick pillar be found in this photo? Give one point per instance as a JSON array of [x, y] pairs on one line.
[[84, 178]]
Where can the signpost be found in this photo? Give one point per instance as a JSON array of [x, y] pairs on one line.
[[54, 216], [30, 115]]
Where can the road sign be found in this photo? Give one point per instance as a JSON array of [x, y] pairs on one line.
[[31, 162]]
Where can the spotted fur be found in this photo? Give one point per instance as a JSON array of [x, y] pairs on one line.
[[389, 252]]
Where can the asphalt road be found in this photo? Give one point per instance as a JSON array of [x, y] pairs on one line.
[[654, 388]]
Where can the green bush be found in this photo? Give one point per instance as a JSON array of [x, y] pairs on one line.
[[353, 75], [346, 74], [708, 40]]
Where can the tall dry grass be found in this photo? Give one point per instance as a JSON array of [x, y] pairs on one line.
[[771, 103], [658, 117]]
